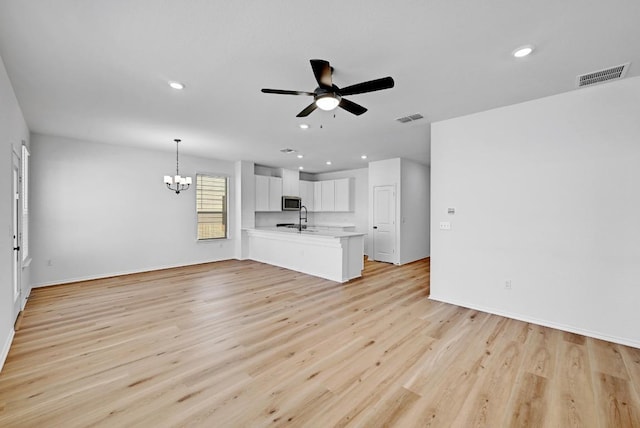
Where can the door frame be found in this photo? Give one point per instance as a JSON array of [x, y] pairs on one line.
[[15, 220]]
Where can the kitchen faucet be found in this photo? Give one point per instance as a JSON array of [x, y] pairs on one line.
[[306, 214]]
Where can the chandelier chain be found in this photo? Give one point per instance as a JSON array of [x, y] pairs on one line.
[[177, 141]]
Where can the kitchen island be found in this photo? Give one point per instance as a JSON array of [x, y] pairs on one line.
[[333, 255]]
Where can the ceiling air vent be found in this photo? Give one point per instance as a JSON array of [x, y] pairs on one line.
[[410, 118], [600, 76]]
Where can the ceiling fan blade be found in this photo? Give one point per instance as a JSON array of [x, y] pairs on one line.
[[311, 107], [322, 71], [285, 92], [352, 107], [370, 86]]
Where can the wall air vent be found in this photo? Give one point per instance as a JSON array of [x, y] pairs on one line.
[[410, 118], [600, 76]]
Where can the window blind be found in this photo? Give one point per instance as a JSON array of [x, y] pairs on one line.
[[211, 206]]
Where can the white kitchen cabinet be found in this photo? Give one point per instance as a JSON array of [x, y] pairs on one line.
[[317, 196], [275, 194], [268, 193], [262, 193], [328, 195], [343, 195], [290, 182], [307, 193]]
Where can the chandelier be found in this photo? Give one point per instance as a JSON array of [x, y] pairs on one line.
[[177, 183]]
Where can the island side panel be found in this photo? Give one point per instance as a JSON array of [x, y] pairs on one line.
[[354, 257], [322, 258]]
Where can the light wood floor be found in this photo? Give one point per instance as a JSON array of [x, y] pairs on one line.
[[243, 344]]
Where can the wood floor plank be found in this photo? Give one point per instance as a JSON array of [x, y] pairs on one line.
[[616, 402], [530, 403], [572, 392], [606, 358], [631, 358], [241, 343]]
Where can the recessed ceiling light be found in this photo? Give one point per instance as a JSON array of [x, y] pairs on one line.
[[300, 156], [304, 126], [522, 51], [363, 156], [176, 85], [328, 162], [300, 168]]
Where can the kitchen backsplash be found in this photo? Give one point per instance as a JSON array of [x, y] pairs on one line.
[[266, 219]]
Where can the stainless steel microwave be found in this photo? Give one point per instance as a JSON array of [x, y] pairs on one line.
[[291, 203]]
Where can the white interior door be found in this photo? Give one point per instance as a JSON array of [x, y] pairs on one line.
[[15, 213], [384, 224]]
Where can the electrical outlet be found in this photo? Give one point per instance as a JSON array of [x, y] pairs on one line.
[[507, 284], [445, 225]]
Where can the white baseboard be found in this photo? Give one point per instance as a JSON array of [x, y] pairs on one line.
[[6, 347], [544, 323], [24, 300], [129, 272]]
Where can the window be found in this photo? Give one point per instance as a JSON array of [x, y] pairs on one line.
[[211, 206], [25, 203]]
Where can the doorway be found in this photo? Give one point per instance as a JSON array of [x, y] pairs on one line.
[[15, 214], [384, 223]]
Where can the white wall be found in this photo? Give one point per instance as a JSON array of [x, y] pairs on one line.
[[547, 195], [13, 130], [414, 228], [245, 187], [102, 209]]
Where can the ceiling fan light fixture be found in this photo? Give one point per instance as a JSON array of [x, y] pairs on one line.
[[327, 102]]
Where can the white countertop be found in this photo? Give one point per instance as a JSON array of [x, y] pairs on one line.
[[325, 224], [310, 232]]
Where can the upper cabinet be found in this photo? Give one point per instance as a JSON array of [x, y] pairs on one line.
[[307, 194], [328, 195], [333, 195], [317, 196], [268, 193], [343, 195], [290, 182]]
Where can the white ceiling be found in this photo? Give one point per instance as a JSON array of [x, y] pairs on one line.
[[98, 69]]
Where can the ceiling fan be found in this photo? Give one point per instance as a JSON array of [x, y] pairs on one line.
[[328, 96]]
